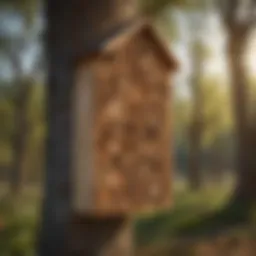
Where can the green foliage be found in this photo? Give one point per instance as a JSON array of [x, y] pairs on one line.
[[6, 130], [11, 49], [200, 51], [36, 140], [216, 111], [34, 157], [167, 25], [182, 113], [217, 115], [190, 208], [155, 7], [18, 225], [217, 130], [28, 8], [181, 118]]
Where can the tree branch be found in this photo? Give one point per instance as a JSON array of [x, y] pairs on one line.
[[238, 16], [245, 24], [252, 16], [228, 10]]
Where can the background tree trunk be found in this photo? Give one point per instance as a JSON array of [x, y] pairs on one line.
[[195, 132], [217, 163], [239, 28], [245, 158], [20, 135], [195, 155], [22, 88]]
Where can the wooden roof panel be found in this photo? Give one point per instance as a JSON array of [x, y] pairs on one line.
[[119, 41]]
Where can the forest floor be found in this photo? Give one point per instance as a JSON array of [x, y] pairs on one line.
[[19, 222], [189, 228], [199, 224]]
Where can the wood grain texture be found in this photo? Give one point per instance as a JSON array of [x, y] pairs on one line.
[[131, 129]]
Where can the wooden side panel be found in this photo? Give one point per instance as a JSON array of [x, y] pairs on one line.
[[83, 142], [132, 130], [122, 158], [109, 118], [151, 178]]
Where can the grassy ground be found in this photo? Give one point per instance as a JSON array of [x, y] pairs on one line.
[[186, 229], [198, 225], [18, 223], [189, 208]]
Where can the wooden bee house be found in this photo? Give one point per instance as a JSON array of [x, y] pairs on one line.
[[122, 130]]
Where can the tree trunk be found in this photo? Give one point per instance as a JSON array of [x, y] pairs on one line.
[[217, 166], [102, 237], [195, 155], [195, 132], [245, 157], [75, 29], [20, 135], [19, 140]]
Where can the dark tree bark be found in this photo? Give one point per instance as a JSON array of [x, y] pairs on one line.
[[195, 177], [13, 48], [245, 158], [196, 128], [239, 18], [22, 88], [20, 135], [75, 29]]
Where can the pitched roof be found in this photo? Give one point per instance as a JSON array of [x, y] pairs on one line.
[[126, 35], [122, 35]]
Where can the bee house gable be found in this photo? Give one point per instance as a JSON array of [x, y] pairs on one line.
[[122, 131]]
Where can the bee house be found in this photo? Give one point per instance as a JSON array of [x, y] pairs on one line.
[[122, 130]]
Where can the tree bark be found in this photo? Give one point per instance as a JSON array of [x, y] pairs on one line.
[[75, 29], [22, 91], [245, 157], [20, 135], [196, 129], [216, 163], [102, 237], [195, 178]]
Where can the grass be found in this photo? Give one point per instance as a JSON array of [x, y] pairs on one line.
[[193, 214], [18, 224], [197, 220]]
